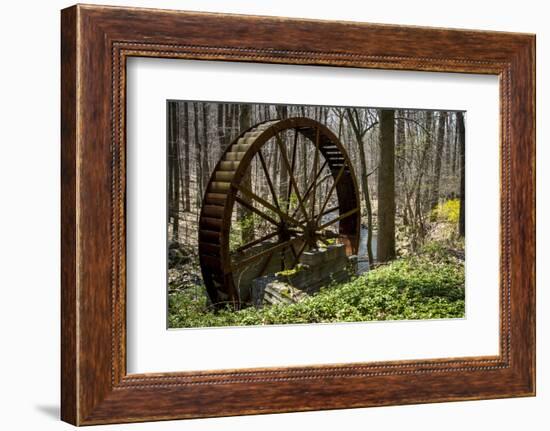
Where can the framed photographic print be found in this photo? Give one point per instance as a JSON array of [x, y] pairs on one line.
[[268, 215]]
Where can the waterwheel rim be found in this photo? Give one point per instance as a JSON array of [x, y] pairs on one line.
[[295, 228]]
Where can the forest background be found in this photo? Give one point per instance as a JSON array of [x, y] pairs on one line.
[[410, 168]]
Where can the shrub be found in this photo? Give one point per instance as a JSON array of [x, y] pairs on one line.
[[447, 211]]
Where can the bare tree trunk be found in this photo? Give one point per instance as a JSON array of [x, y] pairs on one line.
[[170, 143], [419, 228], [228, 132], [400, 156], [304, 153], [245, 216], [205, 151], [462, 157], [438, 154], [455, 151], [198, 156], [386, 188], [448, 151], [221, 132], [174, 175], [177, 170], [186, 156], [282, 113], [359, 133]]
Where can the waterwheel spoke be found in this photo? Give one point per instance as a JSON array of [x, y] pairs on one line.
[[256, 210], [327, 211], [283, 254], [249, 260], [293, 251], [256, 241], [318, 184], [324, 213], [337, 219], [337, 207], [329, 194], [266, 204], [291, 175], [310, 187], [297, 256], [269, 182], [265, 264]]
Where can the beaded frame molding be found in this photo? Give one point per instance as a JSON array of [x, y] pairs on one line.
[[95, 43]]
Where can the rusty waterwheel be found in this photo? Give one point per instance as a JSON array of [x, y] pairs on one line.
[[292, 212]]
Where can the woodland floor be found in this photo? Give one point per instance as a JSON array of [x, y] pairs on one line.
[[424, 285]]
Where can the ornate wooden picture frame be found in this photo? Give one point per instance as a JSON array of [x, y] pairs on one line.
[[96, 41]]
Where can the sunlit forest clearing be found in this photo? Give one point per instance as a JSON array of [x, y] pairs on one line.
[[300, 214]]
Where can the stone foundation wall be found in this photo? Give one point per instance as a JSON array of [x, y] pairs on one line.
[[318, 268], [244, 277]]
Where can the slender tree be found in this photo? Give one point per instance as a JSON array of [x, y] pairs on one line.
[[206, 146], [228, 125], [386, 187], [198, 156], [186, 157], [360, 128], [448, 147], [437, 158], [171, 121], [424, 130], [282, 113], [221, 130], [245, 216], [400, 157], [462, 171], [173, 169], [454, 152]]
